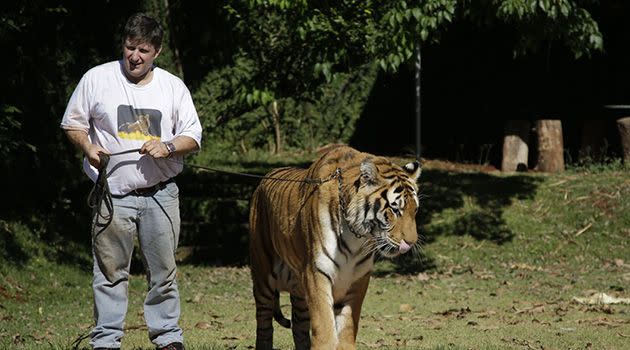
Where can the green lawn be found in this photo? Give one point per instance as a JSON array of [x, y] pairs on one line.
[[502, 259]]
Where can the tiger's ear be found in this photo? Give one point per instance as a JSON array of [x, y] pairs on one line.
[[413, 169], [369, 172]]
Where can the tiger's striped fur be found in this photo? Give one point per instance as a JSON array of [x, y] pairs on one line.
[[318, 242]]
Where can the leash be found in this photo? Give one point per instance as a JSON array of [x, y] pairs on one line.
[[100, 193], [215, 170]]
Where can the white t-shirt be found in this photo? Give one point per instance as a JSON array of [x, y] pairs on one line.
[[119, 115]]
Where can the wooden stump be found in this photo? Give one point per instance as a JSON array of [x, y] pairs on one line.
[[550, 146], [593, 144], [623, 125], [515, 148]]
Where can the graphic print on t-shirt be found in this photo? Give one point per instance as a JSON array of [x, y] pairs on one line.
[[139, 124]]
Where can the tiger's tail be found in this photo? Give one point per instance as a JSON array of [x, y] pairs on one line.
[[277, 313]]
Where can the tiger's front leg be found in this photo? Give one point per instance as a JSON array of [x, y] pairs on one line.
[[320, 306], [347, 319]]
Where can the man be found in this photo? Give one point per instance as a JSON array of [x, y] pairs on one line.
[[120, 106]]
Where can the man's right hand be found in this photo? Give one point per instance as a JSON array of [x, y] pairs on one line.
[[80, 139], [92, 153]]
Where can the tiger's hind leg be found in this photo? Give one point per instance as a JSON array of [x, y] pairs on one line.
[[265, 295], [300, 322], [264, 317]]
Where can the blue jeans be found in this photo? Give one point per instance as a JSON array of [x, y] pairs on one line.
[[154, 219]]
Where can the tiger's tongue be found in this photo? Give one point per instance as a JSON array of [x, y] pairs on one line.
[[403, 247]]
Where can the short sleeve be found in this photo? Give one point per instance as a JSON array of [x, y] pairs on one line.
[[188, 123], [76, 116]]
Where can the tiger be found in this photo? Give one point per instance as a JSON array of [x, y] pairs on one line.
[[141, 125], [318, 241]]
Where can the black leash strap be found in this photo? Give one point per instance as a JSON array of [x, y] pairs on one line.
[[307, 180], [100, 192]]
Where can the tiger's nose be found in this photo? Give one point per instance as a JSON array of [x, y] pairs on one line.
[[403, 247]]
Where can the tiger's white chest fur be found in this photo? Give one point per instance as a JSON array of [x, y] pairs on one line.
[[343, 257]]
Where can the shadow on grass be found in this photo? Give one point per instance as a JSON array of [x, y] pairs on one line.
[[479, 198], [215, 212], [58, 232]]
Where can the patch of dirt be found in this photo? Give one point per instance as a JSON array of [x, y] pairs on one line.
[[458, 167]]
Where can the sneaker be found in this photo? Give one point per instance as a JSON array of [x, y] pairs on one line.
[[106, 348], [172, 346]]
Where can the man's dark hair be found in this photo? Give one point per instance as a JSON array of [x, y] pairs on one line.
[[144, 28]]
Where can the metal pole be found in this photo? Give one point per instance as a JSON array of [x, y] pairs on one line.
[[418, 65]]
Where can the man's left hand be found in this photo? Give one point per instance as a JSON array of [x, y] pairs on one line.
[[155, 149]]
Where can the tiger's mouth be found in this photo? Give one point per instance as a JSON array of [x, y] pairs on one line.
[[389, 248]]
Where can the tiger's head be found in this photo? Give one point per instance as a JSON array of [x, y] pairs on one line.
[[384, 206]]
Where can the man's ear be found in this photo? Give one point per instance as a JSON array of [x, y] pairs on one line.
[[157, 52]]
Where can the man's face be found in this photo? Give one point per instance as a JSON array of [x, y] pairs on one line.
[[138, 59]]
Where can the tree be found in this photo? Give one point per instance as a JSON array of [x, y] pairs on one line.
[[169, 58], [293, 47]]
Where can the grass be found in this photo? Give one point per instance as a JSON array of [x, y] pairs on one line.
[[503, 257]]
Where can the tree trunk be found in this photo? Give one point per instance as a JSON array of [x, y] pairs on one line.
[[593, 143], [515, 149], [173, 42], [275, 117], [168, 58], [550, 146], [623, 125]]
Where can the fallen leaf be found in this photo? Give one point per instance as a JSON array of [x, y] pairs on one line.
[[459, 313], [530, 310], [528, 267], [486, 314], [423, 276], [197, 298], [378, 344], [584, 229], [232, 338], [604, 321], [405, 308], [601, 299], [203, 325]]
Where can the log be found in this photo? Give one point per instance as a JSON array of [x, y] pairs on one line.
[[593, 144], [623, 125], [515, 148], [550, 146]]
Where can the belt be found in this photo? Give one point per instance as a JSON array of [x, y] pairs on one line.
[[148, 191]]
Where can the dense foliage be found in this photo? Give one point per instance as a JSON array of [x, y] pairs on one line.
[[316, 41]]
